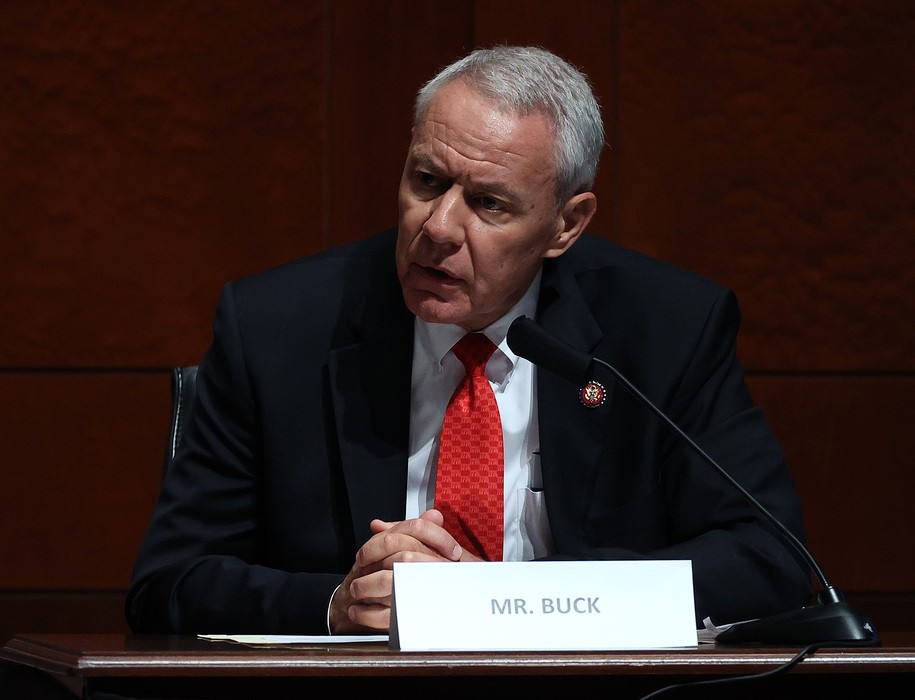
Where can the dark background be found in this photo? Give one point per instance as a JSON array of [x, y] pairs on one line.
[[151, 151]]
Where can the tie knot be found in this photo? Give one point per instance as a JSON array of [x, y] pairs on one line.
[[474, 351]]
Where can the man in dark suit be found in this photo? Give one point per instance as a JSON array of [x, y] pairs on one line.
[[308, 467]]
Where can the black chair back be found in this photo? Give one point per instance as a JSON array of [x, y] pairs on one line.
[[184, 392]]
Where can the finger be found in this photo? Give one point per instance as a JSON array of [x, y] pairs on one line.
[[416, 535], [362, 618], [372, 588], [430, 531], [387, 564], [467, 556], [434, 516], [377, 525], [371, 617]]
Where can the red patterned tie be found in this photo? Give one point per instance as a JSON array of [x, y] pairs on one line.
[[468, 486]]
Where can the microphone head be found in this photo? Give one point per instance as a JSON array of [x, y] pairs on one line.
[[531, 342]]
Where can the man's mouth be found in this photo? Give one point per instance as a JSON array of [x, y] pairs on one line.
[[437, 275], [441, 274]]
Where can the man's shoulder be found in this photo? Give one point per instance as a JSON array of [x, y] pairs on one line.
[[602, 257], [349, 261]]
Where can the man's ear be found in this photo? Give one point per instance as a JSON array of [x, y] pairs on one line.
[[574, 218]]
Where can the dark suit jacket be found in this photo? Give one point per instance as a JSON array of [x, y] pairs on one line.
[[298, 439]]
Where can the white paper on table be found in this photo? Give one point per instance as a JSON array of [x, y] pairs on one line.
[[286, 640]]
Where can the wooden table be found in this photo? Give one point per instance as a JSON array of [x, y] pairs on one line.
[[187, 667]]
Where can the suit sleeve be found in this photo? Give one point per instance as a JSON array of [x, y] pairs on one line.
[[198, 569], [743, 567]]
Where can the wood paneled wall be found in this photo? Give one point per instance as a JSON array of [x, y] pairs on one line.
[[149, 152]]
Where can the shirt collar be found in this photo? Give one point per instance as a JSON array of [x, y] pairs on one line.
[[439, 338]]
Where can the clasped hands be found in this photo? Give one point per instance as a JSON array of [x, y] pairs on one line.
[[362, 603]]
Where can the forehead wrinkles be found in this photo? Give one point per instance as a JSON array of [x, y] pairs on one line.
[[456, 150]]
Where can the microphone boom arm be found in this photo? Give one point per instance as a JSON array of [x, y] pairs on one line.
[[833, 621], [834, 594]]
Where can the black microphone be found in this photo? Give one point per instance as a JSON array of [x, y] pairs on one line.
[[833, 620]]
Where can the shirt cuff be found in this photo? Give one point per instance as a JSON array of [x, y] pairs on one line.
[[328, 606]]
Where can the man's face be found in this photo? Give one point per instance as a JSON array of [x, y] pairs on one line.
[[477, 209]]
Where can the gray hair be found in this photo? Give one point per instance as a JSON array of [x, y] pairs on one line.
[[526, 80]]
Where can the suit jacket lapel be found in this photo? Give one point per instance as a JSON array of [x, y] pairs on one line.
[[370, 395], [570, 448]]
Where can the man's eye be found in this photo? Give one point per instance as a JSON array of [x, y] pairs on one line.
[[490, 203], [427, 179]]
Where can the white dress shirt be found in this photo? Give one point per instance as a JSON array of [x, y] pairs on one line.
[[436, 374]]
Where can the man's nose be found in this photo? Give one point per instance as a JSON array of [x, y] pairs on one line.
[[445, 221]]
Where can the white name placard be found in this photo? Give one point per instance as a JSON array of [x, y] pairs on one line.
[[545, 606]]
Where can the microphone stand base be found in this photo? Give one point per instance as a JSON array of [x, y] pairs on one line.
[[830, 622]]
